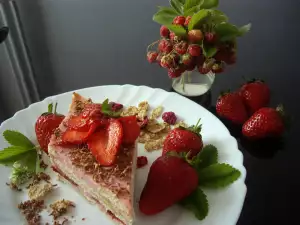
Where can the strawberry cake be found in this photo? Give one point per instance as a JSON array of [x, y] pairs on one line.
[[95, 150]]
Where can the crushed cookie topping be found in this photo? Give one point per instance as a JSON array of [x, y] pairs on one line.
[[31, 210], [39, 177], [43, 165], [39, 191], [13, 186], [60, 207]]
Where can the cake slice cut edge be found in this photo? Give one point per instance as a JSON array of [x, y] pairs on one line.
[[111, 188]]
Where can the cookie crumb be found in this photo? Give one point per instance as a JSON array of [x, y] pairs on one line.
[[83, 219], [43, 165], [39, 191], [13, 186], [31, 210], [38, 178], [60, 207]]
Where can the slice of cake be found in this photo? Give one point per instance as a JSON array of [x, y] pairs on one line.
[[96, 152]]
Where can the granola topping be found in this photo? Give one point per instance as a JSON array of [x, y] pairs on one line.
[[31, 210], [60, 207]]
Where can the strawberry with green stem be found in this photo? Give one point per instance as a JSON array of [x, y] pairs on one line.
[[184, 140], [46, 125]]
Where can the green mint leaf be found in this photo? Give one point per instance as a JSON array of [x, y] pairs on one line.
[[218, 175], [12, 154], [165, 15], [50, 108], [178, 30], [217, 16], [207, 157], [192, 3], [244, 29], [196, 203], [226, 31], [182, 1], [177, 5], [198, 18], [15, 138], [208, 4], [209, 51], [106, 109]]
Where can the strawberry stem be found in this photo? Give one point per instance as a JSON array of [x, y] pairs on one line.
[[50, 108], [55, 107]]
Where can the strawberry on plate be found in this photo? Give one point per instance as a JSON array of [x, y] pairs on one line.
[[105, 143], [184, 140], [255, 94], [266, 122], [170, 180], [46, 125], [131, 129], [231, 106]]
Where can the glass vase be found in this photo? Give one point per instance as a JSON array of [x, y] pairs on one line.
[[192, 83]]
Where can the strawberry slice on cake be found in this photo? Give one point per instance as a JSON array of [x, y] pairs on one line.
[[95, 151]]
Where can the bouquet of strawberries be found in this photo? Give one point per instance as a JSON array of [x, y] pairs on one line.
[[194, 35]]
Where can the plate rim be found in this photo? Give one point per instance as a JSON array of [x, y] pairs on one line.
[[243, 178]]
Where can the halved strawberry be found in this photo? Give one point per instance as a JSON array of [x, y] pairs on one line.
[[131, 129], [92, 110], [78, 137], [105, 143], [77, 123]]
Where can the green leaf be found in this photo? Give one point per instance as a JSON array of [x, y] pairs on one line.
[[217, 16], [244, 29], [196, 203], [12, 154], [182, 1], [209, 51], [15, 138], [198, 18], [50, 108], [29, 161], [208, 4], [218, 175], [177, 5], [207, 157], [165, 15], [107, 110], [192, 3], [226, 31], [192, 11], [178, 30]]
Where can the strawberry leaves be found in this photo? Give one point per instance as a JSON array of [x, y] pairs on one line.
[[218, 175], [196, 203], [211, 174]]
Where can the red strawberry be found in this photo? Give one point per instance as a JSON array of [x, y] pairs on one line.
[[217, 68], [46, 125], [255, 94], [195, 36], [175, 72], [172, 36], [179, 20], [184, 140], [187, 20], [170, 180], [181, 47], [166, 61], [164, 31], [165, 46], [151, 57], [231, 106], [203, 70], [131, 129], [105, 143], [266, 122], [194, 50], [210, 37], [187, 59]]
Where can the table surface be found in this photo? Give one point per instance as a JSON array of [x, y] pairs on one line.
[[269, 52]]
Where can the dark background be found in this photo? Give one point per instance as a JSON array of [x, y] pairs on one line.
[[76, 44]]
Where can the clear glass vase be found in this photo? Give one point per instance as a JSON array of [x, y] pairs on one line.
[[192, 83]]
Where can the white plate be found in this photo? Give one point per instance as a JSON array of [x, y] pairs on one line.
[[225, 204]]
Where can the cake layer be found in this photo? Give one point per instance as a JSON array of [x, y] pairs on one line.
[[110, 186]]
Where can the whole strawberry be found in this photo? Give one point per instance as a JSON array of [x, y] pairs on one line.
[[164, 31], [184, 140], [46, 125], [255, 94], [179, 20], [231, 106], [152, 56], [266, 122], [170, 180], [165, 46], [181, 47]]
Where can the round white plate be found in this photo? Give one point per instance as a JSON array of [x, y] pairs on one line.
[[224, 204]]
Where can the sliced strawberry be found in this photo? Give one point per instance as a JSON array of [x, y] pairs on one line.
[[77, 123], [92, 110], [78, 137], [131, 129], [105, 143]]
